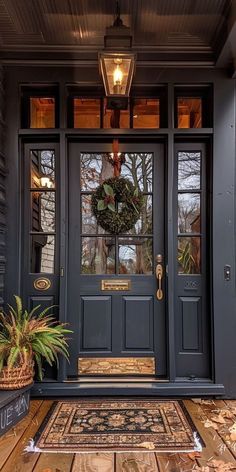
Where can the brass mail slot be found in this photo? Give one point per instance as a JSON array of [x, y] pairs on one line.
[[116, 285]]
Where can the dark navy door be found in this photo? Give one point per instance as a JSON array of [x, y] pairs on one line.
[[116, 283]]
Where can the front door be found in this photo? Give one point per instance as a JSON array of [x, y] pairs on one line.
[[113, 308]]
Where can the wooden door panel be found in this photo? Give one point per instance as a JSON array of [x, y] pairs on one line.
[[191, 323], [108, 323], [43, 301], [138, 323], [96, 323]]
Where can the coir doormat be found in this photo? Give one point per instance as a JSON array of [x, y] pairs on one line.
[[117, 426]]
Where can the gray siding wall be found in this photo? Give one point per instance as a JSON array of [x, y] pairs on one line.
[[224, 225], [2, 187]]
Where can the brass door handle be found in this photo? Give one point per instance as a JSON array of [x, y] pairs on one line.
[[159, 276]]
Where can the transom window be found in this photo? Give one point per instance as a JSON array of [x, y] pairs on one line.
[[145, 109], [97, 113]]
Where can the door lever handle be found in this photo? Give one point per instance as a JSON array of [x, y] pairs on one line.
[[159, 276]]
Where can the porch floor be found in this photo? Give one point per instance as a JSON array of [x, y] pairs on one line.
[[220, 446]]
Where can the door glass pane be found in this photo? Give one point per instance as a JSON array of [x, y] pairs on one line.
[[144, 223], [138, 168], [189, 111], [42, 168], [189, 255], [98, 255], [89, 222], [189, 220], [146, 113], [95, 168], [42, 253], [86, 113], [189, 170], [43, 210], [135, 256], [42, 112]]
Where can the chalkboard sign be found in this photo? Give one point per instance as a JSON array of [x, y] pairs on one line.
[[14, 411]]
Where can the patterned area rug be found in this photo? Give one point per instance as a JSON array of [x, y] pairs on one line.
[[116, 426]]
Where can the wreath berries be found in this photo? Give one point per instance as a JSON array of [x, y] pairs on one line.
[[117, 205]]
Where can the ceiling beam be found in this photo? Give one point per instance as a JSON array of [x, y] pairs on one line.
[[227, 53]]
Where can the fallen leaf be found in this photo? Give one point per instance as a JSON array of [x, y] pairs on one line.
[[232, 431], [218, 419], [201, 469], [222, 466], [147, 445], [201, 401], [209, 424], [227, 414], [194, 455], [232, 428]]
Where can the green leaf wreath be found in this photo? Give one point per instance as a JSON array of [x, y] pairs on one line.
[[117, 205]]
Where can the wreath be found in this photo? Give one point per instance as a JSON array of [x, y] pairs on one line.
[[117, 205]]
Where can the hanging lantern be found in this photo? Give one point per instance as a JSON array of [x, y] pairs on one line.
[[117, 61], [117, 72]]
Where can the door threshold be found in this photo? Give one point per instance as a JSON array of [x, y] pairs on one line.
[[115, 379], [126, 388]]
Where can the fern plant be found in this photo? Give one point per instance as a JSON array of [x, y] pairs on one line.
[[34, 335]]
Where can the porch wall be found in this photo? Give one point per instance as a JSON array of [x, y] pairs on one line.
[[2, 186]]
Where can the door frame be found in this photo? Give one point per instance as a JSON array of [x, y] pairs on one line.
[[170, 221]]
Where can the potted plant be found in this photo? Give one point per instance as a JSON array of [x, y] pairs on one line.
[[26, 340]]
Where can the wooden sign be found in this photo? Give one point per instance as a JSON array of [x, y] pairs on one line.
[[12, 412]]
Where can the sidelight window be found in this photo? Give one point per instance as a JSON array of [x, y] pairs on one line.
[[43, 211], [189, 212]]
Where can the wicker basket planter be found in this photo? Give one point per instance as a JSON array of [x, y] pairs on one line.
[[17, 377]]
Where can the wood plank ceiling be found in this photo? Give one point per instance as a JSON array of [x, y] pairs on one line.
[[188, 26]]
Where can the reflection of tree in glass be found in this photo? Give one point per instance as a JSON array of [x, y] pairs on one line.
[[135, 256], [138, 169], [189, 170], [47, 163], [144, 223], [188, 213], [97, 255], [47, 207], [42, 164], [94, 168]]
